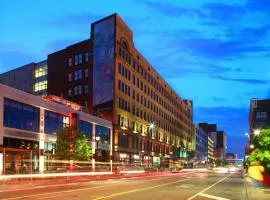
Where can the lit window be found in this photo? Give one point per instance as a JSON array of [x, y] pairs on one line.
[[70, 62], [39, 86], [41, 71]]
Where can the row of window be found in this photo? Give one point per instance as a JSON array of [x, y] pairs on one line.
[[78, 75], [126, 56], [77, 90], [78, 59], [141, 128], [148, 91], [129, 141], [101, 131], [125, 105], [41, 71], [40, 86], [26, 117]]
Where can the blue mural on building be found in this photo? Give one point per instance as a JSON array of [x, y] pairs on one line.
[[103, 61]]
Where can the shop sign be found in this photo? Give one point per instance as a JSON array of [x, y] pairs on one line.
[[156, 161]]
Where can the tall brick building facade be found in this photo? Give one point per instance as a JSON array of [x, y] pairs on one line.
[[109, 77]]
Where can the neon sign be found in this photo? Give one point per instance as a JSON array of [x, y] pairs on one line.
[[57, 99]]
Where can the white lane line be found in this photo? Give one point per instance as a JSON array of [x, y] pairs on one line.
[[213, 197], [209, 187], [48, 193], [75, 190], [137, 190]]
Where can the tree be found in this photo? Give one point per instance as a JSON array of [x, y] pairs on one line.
[[64, 142], [261, 153], [191, 154], [71, 146], [82, 150]]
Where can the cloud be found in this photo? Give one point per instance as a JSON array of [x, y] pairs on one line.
[[220, 12], [72, 20], [247, 81], [171, 10], [218, 99], [218, 48], [178, 70], [259, 5], [57, 45]]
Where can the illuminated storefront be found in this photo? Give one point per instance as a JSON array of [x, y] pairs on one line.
[[28, 130]]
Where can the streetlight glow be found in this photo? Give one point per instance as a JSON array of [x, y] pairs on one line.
[[97, 138], [257, 132], [151, 125], [252, 146]]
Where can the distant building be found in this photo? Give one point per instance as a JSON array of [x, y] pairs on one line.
[[210, 150], [30, 78], [219, 140], [221, 145], [201, 138], [231, 156], [259, 114]]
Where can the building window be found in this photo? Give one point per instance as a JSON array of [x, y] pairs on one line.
[[104, 134], [21, 116], [41, 71], [119, 68], [70, 92], [86, 128], [80, 58], [76, 60], [123, 140], [78, 75], [69, 77], [78, 90], [49, 147], [55, 122], [86, 73], [70, 62], [39, 86], [86, 89], [86, 57]]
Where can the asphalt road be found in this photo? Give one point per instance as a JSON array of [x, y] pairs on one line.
[[192, 185]]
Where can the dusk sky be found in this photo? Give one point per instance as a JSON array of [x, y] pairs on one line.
[[214, 52]]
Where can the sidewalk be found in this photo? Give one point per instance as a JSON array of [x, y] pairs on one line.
[[262, 193]]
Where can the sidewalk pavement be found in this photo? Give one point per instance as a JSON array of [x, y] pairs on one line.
[[256, 192]]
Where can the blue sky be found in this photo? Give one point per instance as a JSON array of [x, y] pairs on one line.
[[215, 52]]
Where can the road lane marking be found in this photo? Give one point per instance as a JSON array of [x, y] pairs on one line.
[[209, 187], [76, 183], [212, 197], [137, 190], [47, 193], [74, 190]]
